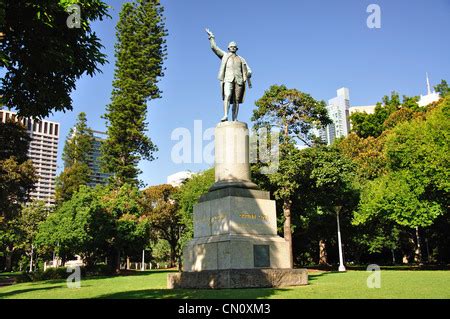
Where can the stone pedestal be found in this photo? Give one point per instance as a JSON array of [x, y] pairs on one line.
[[235, 227], [231, 156]]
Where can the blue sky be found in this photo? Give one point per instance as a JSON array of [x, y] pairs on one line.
[[315, 46]]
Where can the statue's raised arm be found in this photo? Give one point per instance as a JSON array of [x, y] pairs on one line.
[[220, 53]]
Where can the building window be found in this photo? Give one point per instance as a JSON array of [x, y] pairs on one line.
[[45, 127], [56, 129]]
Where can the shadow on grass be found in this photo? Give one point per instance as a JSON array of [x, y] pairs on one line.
[[194, 294], [22, 291]]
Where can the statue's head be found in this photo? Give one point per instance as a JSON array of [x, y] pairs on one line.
[[232, 47]]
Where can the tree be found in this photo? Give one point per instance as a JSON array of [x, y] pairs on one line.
[[96, 223], [164, 216], [386, 115], [37, 84], [76, 156], [28, 225], [414, 191], [140, 51], [17, 179], [442, 88], [79, 226], [296, 114], [396, 197], [326, 182], [366, 153], [131, 226], [293, 112], [70, 180], [189, 194], [79, 143]]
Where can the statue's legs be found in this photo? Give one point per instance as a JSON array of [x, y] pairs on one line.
[[228, 91], [235, 111], [226, 106]]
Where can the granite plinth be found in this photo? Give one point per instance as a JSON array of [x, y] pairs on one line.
[[238, 278]]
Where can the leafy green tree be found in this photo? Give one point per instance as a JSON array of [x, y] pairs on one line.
[[76, 156], [17, 179], [160, 251], [326, 184], [414, 191], [422, 147], [131, 226], [79, 226], [365, 125], [295, 114], [27, 225], [140, 51], [162, 210], [366, 153], [79, 143], [70, 180], [37, 84], [189, 194], [442, 88]]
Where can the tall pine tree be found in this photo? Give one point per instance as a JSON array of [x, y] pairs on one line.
[[76, 156], [140, 51]]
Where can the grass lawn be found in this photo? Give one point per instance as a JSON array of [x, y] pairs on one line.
[[152, 284]]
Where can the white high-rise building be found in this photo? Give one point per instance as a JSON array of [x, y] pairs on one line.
[[431, 96], [338, 111], [369, 109], [43, 152], [177, 179]]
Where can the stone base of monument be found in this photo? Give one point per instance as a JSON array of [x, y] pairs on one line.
[[235, 242], [237, 278]]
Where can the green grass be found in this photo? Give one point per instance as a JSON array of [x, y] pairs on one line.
[[152, 284]]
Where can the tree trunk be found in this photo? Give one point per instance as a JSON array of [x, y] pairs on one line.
[[117, 262], [418, 251], [173, 257], [8, 259], [128, 262], [287, 204], [31, 258], [393, 256], [322, 253]]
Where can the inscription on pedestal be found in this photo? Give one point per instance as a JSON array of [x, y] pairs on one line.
[[261, 255]]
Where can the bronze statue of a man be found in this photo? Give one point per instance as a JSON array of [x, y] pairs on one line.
[[233, 74]]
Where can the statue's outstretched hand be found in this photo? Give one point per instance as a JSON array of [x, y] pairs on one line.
[[210, 34]]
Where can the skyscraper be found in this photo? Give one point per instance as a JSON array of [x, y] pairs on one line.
[[43, 152], [338, 111], [97, 177]]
